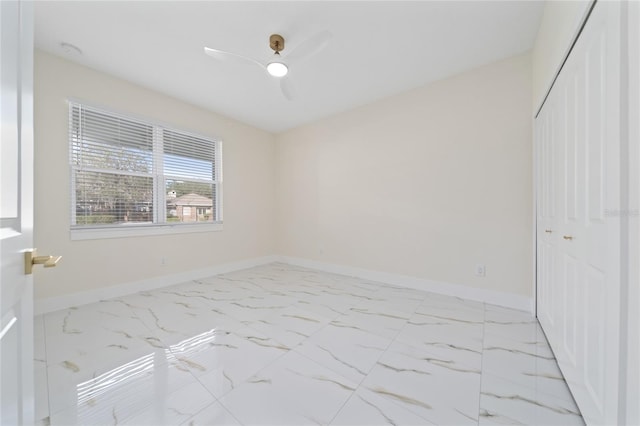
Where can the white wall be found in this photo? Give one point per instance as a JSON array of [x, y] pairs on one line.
[[424, 184], [90, 265], [560, 23]]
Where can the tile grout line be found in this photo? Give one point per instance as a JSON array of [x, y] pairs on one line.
[[380, 300], [391, 342]]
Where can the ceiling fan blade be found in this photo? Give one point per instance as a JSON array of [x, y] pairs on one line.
[[222, 55], [310, 46], [287, 88]]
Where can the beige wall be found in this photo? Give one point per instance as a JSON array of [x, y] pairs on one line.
[[248, 156], [561, 20], [427, 184]]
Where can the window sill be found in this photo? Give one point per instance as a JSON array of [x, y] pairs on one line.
[[141, 231]]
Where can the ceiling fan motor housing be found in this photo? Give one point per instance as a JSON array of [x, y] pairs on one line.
[[276, 41]]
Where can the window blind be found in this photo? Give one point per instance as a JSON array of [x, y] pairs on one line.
[[125, 171], [190, 175], [186, 155]]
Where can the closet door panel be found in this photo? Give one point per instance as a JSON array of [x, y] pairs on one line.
[[571, 215], [596, 126], [595, 227], [546, 222], [595, 349], [596, 137], [571, 280]]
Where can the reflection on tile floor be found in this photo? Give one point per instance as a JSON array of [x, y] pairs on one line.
[[284, 345]]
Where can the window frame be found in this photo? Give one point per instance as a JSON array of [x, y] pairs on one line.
[[159, 178]]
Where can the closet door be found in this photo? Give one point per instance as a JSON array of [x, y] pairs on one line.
[[579, 305], [547, 227]]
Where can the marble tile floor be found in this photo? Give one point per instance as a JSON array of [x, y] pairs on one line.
[[284, 345]]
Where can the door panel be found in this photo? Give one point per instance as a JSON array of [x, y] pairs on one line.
[[595, 345], [546, 282], [570, 281], [570, 165], [16, 223], [546, 135], [596, 127], [9, 106]]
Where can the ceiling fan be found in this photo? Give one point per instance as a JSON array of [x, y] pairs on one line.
[[278, 65]]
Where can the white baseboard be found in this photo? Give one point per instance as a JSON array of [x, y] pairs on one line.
[[492, 297], [513, 301], [42, 306]]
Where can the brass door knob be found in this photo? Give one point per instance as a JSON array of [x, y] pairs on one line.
[[548, 231], [567, 237], [31, 259]]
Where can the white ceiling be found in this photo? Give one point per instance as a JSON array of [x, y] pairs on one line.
[[378, 48]]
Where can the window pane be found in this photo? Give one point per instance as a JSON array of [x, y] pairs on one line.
[[188, 156], [111, 199], [118, 163], [190, 201], [102, 141]]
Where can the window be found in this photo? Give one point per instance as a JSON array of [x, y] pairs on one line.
[[132, 177]]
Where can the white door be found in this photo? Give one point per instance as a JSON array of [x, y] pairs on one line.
[[579, 284], [547, 227], [16, 208], [589, 345], [633, 327]]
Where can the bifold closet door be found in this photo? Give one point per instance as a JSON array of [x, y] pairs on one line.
[[578, 137], [545, 131]]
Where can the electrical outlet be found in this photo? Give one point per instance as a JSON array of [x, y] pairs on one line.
[[163, 261], [481, 270]]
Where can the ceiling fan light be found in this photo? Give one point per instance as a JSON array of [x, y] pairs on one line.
[[277, 69]]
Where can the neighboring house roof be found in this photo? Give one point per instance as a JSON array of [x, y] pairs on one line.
[[191, 200]]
